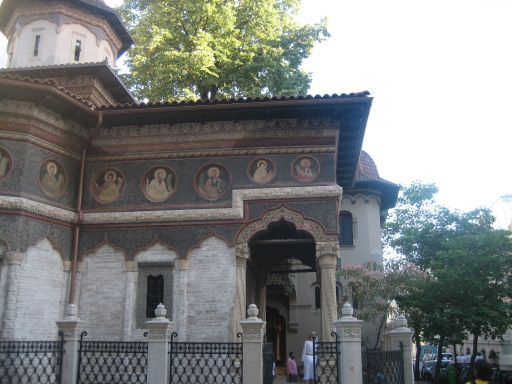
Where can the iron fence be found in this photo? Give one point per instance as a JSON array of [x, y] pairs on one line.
[[325, 360], [31, 362], [192, 362], [383, 367], [107, 362]]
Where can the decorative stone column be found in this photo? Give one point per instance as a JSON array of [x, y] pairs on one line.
[[242, 255], [14, 260], [253, 332], [159, 329], [129, 301], [70, 327], [327, 255], [348, 329], [181, 304], [400, 337]]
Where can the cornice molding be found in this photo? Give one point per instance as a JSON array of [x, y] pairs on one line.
[[235, 212]]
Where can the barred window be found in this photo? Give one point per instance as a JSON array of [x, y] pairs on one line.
[[346, 228]]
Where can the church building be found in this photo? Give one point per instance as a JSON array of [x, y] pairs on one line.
[[206, 206]]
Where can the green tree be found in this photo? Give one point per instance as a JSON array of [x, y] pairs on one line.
[[189, 49], [468, 266]]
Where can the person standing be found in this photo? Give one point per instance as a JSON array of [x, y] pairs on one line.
[[307, 359], [291, 368]]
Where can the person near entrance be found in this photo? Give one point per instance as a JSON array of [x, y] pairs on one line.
[[291, 368], [307, 359]]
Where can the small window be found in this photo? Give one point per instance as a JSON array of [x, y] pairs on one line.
[[78, 49], [155, 294], [346, 229], [317, 298], [37, 44]]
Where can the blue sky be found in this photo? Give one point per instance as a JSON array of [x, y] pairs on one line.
[[440, 72]]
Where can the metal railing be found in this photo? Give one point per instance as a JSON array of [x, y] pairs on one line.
[[325, 360], [383, 367], [31, 361], [108, 362], [193, 362]]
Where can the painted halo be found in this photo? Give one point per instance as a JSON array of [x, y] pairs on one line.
[[6, 163], [212, 182], [261, 170], [305, 169], [159, 184], [108, 185], [52, 178]]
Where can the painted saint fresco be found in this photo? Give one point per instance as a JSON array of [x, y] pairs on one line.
[[261, 171], [5, 163], [52, 178], [108, 185], [212, 182], [305, 169], [158, 184]]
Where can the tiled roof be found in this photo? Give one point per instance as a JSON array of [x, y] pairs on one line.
[[241, 100], [48, 82], [366, 168]]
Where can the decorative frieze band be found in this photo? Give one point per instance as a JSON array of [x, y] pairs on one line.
[[236, 211]]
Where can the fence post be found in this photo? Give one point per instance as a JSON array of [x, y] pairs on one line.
[[400, 338], [348, 329], [158, 346], [70, 330], [253, 332]]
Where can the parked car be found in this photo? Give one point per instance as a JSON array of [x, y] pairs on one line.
[[429, 369]]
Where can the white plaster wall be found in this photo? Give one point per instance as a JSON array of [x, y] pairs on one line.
[[211, 291], [367, 232], [57, 46], [102, 291], [42, 286]]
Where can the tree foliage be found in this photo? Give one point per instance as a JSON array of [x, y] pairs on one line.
[[467, 266], [189, 49]]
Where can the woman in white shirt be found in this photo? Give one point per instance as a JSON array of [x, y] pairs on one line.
[[307, 359]]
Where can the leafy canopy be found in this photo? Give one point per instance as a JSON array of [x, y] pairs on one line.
[[189, 49]]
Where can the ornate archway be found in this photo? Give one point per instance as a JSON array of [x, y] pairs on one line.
[[326, 253]]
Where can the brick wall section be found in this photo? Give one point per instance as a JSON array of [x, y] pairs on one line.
[[211, 288], [102, 293], [41, 295]]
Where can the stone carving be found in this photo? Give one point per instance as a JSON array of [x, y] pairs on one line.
[[14, 257], [52, 178], [351, 333], [327, 248], [242, 253], [314, 228], [328, 297], [107, 186], [212, 182], [261, 170], [305, 169], [159, 183], [5, 163]]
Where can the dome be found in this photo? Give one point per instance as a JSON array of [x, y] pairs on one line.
[[367, 178], [366, 168]]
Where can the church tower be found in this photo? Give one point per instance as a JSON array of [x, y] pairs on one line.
[[46, 33], [74, 44]]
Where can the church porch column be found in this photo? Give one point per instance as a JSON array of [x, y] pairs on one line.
[[327, 256], [242, 253], [14, 261]]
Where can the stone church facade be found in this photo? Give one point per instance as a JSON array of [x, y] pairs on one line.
[[207, 206]]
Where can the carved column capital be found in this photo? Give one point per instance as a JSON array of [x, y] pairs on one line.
[[183, 264], [14, 257], [327, 248], [242, 252]]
